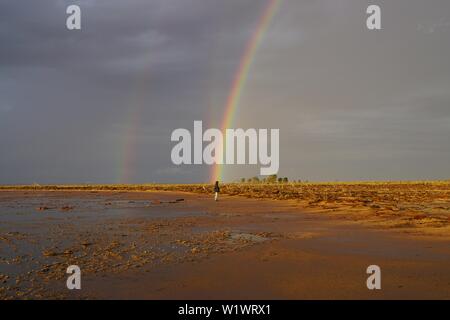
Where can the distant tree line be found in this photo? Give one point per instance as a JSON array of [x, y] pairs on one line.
[[269, 179]]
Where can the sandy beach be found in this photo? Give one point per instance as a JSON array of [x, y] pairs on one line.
[[180, 245]]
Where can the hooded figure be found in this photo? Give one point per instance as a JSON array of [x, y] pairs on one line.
[[216, 191]]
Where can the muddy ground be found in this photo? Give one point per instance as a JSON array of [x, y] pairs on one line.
[[165, 245]]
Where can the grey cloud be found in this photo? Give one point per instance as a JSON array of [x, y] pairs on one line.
[[350, 103]]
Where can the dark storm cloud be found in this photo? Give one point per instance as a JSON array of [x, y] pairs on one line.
[[68, 98], [351, 104], [366, 105]]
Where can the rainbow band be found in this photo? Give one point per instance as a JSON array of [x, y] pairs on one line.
[[128, 155], [241, 75]]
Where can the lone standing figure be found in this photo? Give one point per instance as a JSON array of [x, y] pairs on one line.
[[216, 190]]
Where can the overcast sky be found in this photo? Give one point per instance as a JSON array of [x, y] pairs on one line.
[[99, 105]]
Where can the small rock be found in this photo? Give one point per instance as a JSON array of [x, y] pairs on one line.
[[195, 250]]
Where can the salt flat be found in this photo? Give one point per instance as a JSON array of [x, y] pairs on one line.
[[165, 245]]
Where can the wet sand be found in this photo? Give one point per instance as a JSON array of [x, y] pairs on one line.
[[175, 245]]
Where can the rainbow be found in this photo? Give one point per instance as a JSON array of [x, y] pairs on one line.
[[242, 73], [128, 153]]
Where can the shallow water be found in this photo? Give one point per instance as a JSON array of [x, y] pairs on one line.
[[32, 224]]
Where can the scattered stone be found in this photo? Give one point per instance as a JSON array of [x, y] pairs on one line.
[[195, 250], [43, 208], [86, 244], [49, 253]]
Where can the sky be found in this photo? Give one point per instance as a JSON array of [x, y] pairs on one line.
[[99, 105]]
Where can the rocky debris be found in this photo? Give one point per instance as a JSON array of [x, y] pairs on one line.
[[195, 250], [43, 208], [247, 237], [66, 208], [86, 244], [52, 253], [4, 278]]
